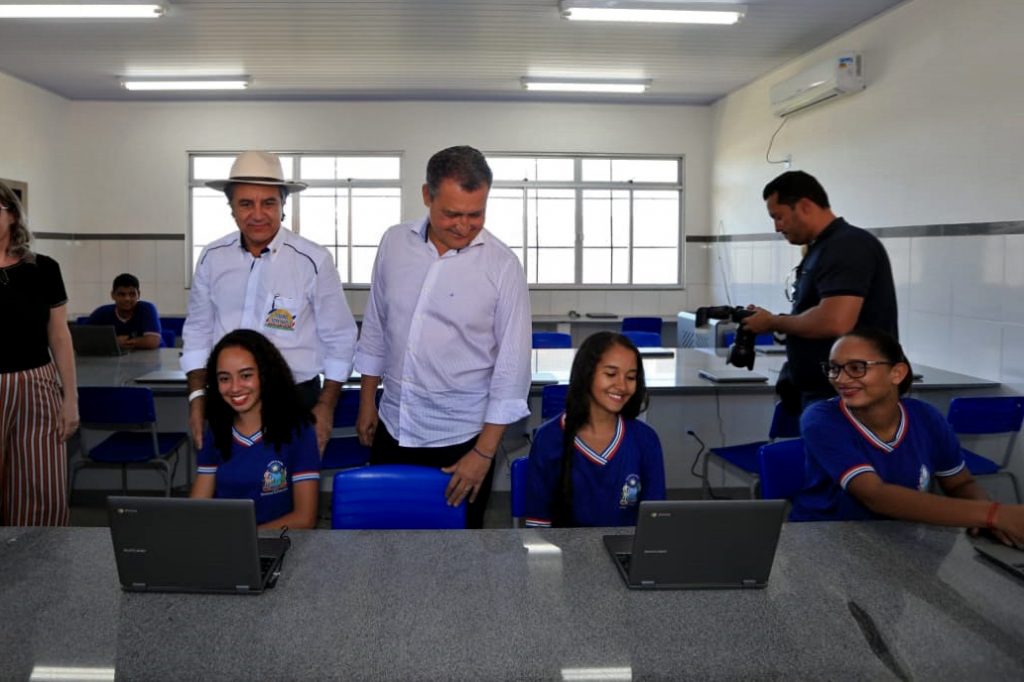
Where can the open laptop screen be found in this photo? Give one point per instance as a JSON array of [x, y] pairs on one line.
[[700, 544], [168, 544]]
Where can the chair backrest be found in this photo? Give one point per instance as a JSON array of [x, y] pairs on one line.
[[551, 340], [766, 339], [783, 468], [393, 496], [784, 424], [173, 322], [642, 324], [82, 319], [644, 339], [988, 415], [518, 476], [168, 338], [552, 400], [115, 405]]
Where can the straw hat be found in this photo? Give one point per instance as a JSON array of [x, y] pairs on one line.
[[257, 168]]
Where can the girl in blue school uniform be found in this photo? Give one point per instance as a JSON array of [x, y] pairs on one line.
[[261, 444], [595, 463], [872, 453]]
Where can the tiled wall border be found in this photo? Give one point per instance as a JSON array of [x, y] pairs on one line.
[[948, 230], [110, 236]]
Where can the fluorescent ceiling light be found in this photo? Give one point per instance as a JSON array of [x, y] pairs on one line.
[[80, 11], [654, 11], [635, 86], [185, 84]]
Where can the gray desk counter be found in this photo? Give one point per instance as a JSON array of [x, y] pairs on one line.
[[522, 604], [680, 373]]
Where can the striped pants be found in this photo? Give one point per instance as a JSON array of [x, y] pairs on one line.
[[33, 458]]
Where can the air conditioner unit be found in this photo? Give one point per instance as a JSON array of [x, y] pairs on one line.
[[822, 82]]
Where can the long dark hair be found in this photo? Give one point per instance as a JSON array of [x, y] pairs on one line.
[[281, 407], [577, 408], [889, 348]]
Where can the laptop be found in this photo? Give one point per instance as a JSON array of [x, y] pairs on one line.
[[732, 376], [162, 376], [95, 340], [699, 544], [1008, 558], [175, 544]]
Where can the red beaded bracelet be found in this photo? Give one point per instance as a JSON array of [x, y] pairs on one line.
[[990, 520]]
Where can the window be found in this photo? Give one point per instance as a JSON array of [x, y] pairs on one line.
[[590, 221], [351, 200]]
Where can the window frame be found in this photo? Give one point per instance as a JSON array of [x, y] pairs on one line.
[[579, 187], [295, 207]]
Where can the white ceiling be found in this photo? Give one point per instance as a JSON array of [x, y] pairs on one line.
[[415, 49]]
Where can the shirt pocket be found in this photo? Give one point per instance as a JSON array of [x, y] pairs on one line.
[[283, 315]]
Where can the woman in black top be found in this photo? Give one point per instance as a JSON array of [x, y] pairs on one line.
[[38, 391]]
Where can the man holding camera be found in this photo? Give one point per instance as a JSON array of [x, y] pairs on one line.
[[843, 282]]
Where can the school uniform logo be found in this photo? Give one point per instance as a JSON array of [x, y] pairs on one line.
[[630, 491], [923, 478], [275, 478]]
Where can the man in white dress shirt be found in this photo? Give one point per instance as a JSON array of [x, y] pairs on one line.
[[447, 327], [267, 278]]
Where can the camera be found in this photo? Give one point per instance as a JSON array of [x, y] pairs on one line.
[[741, 353]]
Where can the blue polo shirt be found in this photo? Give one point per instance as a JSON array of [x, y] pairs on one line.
[[840, 448], [258, 472], [607, 486], [145, 320]]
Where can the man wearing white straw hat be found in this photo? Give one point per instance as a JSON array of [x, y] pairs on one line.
[[267, 278]]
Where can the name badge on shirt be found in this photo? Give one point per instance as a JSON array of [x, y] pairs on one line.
[[282, 315]]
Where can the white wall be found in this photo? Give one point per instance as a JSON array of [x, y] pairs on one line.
[[936, 138], [34, 149], [126, 168]]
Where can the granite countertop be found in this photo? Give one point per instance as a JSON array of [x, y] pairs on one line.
[[845, 601]]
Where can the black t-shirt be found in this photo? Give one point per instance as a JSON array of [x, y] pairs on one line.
[[28, 290], [843, 261]]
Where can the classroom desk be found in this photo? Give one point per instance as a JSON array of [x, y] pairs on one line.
[[845, 601], [720, 414]]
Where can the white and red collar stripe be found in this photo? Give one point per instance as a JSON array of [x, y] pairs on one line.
[[869, 435], [605, 456], [247, 441]]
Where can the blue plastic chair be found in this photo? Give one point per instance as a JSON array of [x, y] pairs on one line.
[[168, 339], [552, 400], [551, 340], [745, 458], [393, 496], [128, 411], [984, 416], [343, 450], [782, 468], [766, 339], [644, 339], [518, 488], [173, 322], [642, 324]]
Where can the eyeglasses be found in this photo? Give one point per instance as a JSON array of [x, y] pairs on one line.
[[854, 369]]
